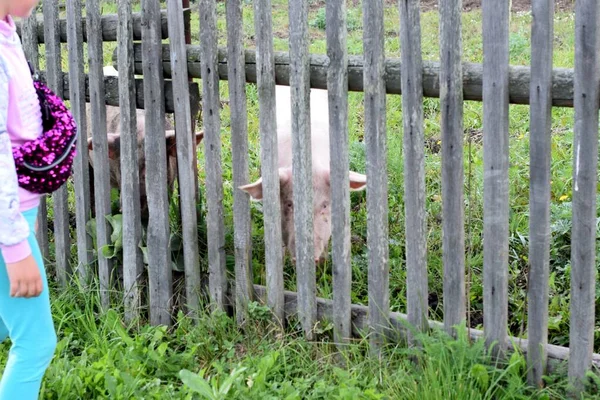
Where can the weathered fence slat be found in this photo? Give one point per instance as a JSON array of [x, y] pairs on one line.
[[29, 38], [81, 165], [539, 187], [160, 275], [302, 166], [100, 148], [133, 265], [585, 164], [472, 81], [239, 143], [31, 49], [186, 158], [110, 27], [61, 214], [414, 164], [337, 83], [451, 106], [495, 165], [212, 142], [377, 196], [265, 78]]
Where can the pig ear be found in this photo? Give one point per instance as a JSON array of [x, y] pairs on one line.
[[358, 181], [113, 145], [254, 189], [199, 137], [171, 143]]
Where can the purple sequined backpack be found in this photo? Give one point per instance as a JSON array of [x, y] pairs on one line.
[[44, 164]]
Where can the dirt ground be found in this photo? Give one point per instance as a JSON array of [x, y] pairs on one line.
[[517, 5]]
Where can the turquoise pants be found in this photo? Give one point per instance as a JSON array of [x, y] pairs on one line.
[[28, 324]]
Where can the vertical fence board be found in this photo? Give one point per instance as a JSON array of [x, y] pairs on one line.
[[239, 143], [133, 266], [59, 198], [212, 142], [337, 87], [186, 156], [539, 187], [100, 145], [265, 69], [377, 191], [414, 164], [495, 164], [301, 165], [160, 276], [585, 164], [451, 105], [31, 49], [81, 165]]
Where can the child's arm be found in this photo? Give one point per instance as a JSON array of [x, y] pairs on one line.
[[14, 229]]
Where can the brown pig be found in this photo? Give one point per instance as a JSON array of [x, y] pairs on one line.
[[319, 116], [113, 129]]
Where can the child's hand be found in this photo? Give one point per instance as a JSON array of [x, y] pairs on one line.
[[24, 277]]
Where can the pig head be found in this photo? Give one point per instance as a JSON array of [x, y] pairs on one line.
[[113, 129], [321, 182]]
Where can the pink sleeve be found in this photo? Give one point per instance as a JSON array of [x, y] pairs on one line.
[[14, 229], [18, 252]]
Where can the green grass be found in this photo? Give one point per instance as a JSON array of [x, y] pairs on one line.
[[98, 356], [562, 139]]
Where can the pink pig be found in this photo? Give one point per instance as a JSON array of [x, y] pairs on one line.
[[319, 115]]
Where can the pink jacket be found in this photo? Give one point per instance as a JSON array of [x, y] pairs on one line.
[[20, 117]]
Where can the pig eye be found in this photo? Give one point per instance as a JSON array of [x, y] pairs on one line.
[[325, 205], [289, 204]]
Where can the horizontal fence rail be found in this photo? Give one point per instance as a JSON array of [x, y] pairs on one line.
[[519, 77], [109, 25], [112, 95]]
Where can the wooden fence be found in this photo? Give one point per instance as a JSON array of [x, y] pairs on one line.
[[494, 82]]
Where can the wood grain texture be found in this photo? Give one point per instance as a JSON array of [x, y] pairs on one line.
[[540, 123], [212, 143], [81, 163], [495, 165], [110, 27], [100, 145], [31, 50], [414, 164], [133, 265], [519, 77], [242, 236], [585, 181], [451, 105], [337, 83], [302, 166], [186, 158], [62, 239], [377, 190], [160, 278], [265, 78]]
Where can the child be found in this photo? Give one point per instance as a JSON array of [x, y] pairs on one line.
[[25, 315]]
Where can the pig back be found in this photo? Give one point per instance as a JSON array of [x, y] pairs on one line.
[[319, 121]]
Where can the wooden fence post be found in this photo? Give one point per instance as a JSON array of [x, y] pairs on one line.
[[377, 187], [540, 154]]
